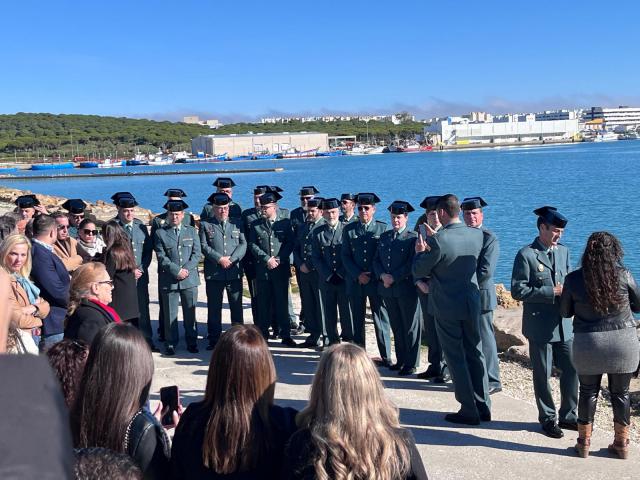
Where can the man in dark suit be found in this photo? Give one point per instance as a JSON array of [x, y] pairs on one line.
[[51, 277], [450, 258], [223, 246], [473, 214], [392, 268], [539, 270]]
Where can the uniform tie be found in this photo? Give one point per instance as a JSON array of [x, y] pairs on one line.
[[128, 229], [177, 232], [395, 234]]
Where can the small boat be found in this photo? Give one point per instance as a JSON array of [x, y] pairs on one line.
[[265, 156], [135, 162], [332, 153], [208, 159], [88, 165], [606, 137], [51, 166], [8, 170], [160, 161], [297, 154], [243, 157], [108, 163]]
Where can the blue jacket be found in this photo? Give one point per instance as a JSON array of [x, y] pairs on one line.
[[51, 277]]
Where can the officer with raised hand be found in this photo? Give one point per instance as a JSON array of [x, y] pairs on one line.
[[473, 215], [29, 206], [223, 185], [359, 246], [178, 251], [392, 267], [271, 242], [223, 246], [348, 208], [308, 275], [142, 246]]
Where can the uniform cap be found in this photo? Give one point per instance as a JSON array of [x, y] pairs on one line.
[[125, 202], [27, 201], [118, 195], [175, 192], [551, 216], [224, 182], [328, 203], [269, 197], [471, 203], [348, 196], [367, 198], [429, 203], [175, 205], [399, 207], [315, 202], [74, 205], [308, 190], [220, 199]]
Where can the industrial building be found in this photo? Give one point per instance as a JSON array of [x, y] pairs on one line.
[[620, 118], [235, 145]]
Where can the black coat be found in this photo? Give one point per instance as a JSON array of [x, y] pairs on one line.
[[186, 453], [125, 293], [86, 321]]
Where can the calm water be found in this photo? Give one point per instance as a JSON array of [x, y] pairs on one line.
[[594, 185]]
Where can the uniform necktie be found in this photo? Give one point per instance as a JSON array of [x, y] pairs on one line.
[[395, 234], [177, 232], [128, 229]]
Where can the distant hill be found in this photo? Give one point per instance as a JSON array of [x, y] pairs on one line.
[[27, 135]]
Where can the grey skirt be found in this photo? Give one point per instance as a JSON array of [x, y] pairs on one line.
[[614, 351]]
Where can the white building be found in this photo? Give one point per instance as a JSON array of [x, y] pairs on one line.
[[613, 118], [195, 120], [556, 115], [235, 145]]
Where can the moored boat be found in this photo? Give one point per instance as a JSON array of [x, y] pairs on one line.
[[88, 164], [302, 154], [108, 163], [51, 166]]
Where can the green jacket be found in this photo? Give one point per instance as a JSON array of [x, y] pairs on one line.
[[218, 242], [359, 247], [326, 252], [395, 256], [266, 241], [176, 253], [487, 264], [302, 253], [532, 283], [235, 211]]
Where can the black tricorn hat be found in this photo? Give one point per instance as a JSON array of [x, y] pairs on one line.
[[219, 198], [471, 203], [224, 182], [175, 205], [118, 195], [399, 207], [175, 192], [74, 205], [27, 201], [125, 202], [348, 196], [367, 198], [329, 203], [551, 216], [269, 197], [315, 202], [308, 190], [429, 203]]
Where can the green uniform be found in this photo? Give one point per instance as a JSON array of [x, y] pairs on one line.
[[272, 239], [488, 302], [359, 246], [395, 256], [175, 251], [452, 263], [235, 211], [342, 219], [249, 216], [218, 240], [536, 269]]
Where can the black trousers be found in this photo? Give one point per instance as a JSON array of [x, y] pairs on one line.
[[620, 401]]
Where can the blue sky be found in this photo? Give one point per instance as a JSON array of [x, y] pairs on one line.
[[239, 60]]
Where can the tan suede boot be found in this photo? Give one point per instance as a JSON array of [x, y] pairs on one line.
[[584, 439], [620, 445]]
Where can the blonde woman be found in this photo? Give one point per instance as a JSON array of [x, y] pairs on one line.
[[27, 308], [350, 430]]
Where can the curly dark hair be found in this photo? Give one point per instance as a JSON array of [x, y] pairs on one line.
[[67, 358], [101, 463], [601, 263]]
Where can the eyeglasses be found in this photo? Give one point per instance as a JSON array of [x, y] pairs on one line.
[[63, 227], [364, 207], [106, 282], [86, 231], [344, 202]]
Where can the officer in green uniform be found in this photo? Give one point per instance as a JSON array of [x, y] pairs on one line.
[[437, 370], [271, 242], [450, 258], [76, 208], [308, 275], [158, 222], [299, 215], [223, 185], [348, 208], [392, 268], [539, 270], [359, 246], [178, 251], [326, 254], [142, 246], [473, 214], [223, 246]]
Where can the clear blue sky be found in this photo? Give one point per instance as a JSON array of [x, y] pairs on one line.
[[245, 59]]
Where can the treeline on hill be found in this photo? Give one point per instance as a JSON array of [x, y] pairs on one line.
[[30, 134]]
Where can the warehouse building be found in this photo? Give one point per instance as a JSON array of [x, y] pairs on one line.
[[235, 145]]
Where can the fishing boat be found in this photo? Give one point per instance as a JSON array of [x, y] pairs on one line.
[[108, 163], [134, 162], [51, 166], [296, 154], [208, 159], [266, 156], [606, 137], [159, 161], [88, 164], [332, 153]]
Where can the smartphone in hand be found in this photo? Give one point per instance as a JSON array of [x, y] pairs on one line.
[[422, 231], [170, 398]]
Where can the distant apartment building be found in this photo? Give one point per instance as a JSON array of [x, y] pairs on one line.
[[479, 117], [620, 118], [395, 119], [195, 120], [235, 145], [557, 115]]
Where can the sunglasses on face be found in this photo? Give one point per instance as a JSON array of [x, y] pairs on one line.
[[106, 282], [63, 227], [364, 207], [86, 231]]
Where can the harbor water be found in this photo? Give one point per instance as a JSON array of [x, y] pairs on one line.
[[593, 184]]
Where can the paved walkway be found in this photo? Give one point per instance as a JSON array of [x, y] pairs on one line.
[[511, 445]]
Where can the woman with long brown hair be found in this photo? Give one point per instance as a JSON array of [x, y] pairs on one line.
[[601, 296], [121, 266], [350, 429], [109, 408], [236, 432]]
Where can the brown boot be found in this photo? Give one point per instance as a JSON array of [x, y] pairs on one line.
[[584, 439], [620, 445]]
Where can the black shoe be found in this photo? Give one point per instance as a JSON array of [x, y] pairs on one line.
[[170, 351], [569, 425], [485, 416], [153, 348], [381, 362], [161, 339], [427, 375], [298, 330], [442, 378], [395, 366], [211, 346], [404, 371], [462, 419], [493, 390], [289, 342], [551, 429], [310, 344], [192, 349]]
